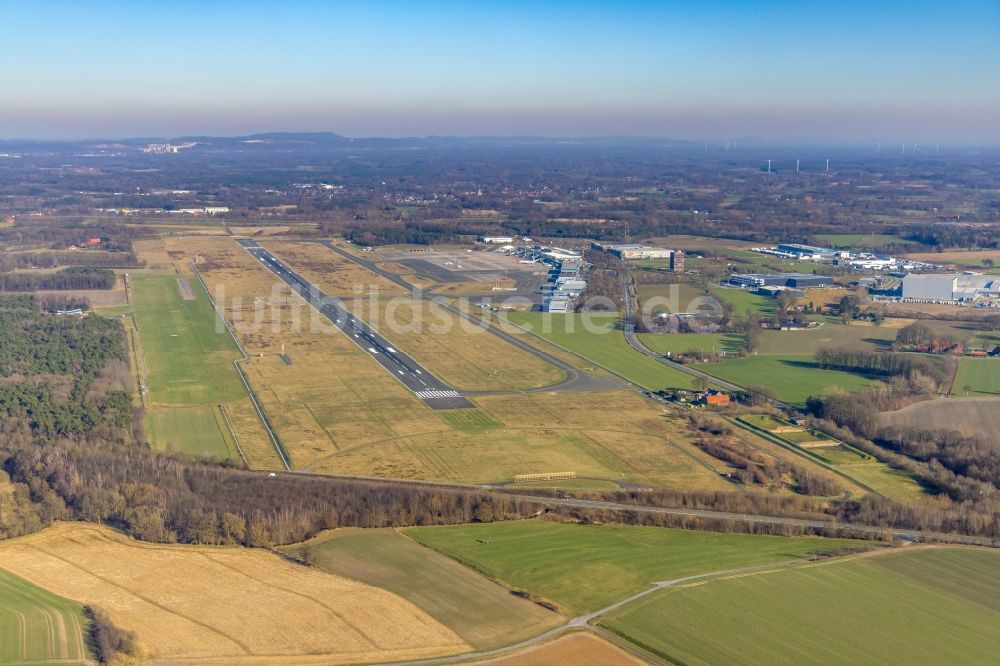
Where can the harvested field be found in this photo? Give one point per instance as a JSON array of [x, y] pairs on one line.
[[483, 613], [964, 258], [38, 627], [969, 416], [578, 649], [228, 605]]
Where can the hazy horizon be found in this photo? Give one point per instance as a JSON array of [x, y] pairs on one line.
[[915, 72]]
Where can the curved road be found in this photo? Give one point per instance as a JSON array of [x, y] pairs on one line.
[[583, 621], [633, 340]]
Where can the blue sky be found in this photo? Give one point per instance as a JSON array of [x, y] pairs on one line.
[[898, 70]]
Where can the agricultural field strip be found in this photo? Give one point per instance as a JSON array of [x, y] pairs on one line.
[[408, 372], [361, 623], [59, 631], [582, 622], [758, 603], [261, 415]]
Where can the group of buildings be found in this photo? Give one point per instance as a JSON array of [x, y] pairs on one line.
[[848, 259], [565, 282], [626, 252], [772, 284]]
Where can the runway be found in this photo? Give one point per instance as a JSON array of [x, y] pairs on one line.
[[425, 385]]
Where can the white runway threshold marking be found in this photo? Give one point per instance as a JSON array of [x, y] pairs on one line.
[[438, 394]]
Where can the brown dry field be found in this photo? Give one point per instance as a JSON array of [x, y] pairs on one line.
[[611, 435], [965, 258], [969, 416], [155, 253], [460, 353], [577, 649], [99, 298], [334, 274], [232, 605], [334, 394], [337, 411], [260, 231], [684, 242]]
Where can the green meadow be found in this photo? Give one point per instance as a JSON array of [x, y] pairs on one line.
[[934, 606], [585, 567]]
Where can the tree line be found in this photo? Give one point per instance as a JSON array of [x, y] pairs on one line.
[[63, 280]]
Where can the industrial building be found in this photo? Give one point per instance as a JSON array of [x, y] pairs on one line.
[[500, 240], [628, 252], [950, 287], [801, 252], [754, 281]]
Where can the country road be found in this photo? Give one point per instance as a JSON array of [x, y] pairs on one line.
[[582, 622], [633, 340]]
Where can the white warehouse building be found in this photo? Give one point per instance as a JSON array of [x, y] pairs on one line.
[[950, 286]]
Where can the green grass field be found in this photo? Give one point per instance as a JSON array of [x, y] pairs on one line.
[[602, 344], [190, 360], [835, 336], [657, 298], [794, 377], [981, 375], [37, 627], [197, 430], [678, 343], [743, 300], [586, 567], [190, 368], [920, 607], [482, 613]]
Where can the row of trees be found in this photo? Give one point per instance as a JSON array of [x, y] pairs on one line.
[[66, 279], [937, 370], [156, 498]]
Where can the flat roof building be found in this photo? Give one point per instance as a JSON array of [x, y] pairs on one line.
[[633, 251], [950, 286]]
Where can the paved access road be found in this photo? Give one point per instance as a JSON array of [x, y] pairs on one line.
[[425, 385]]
